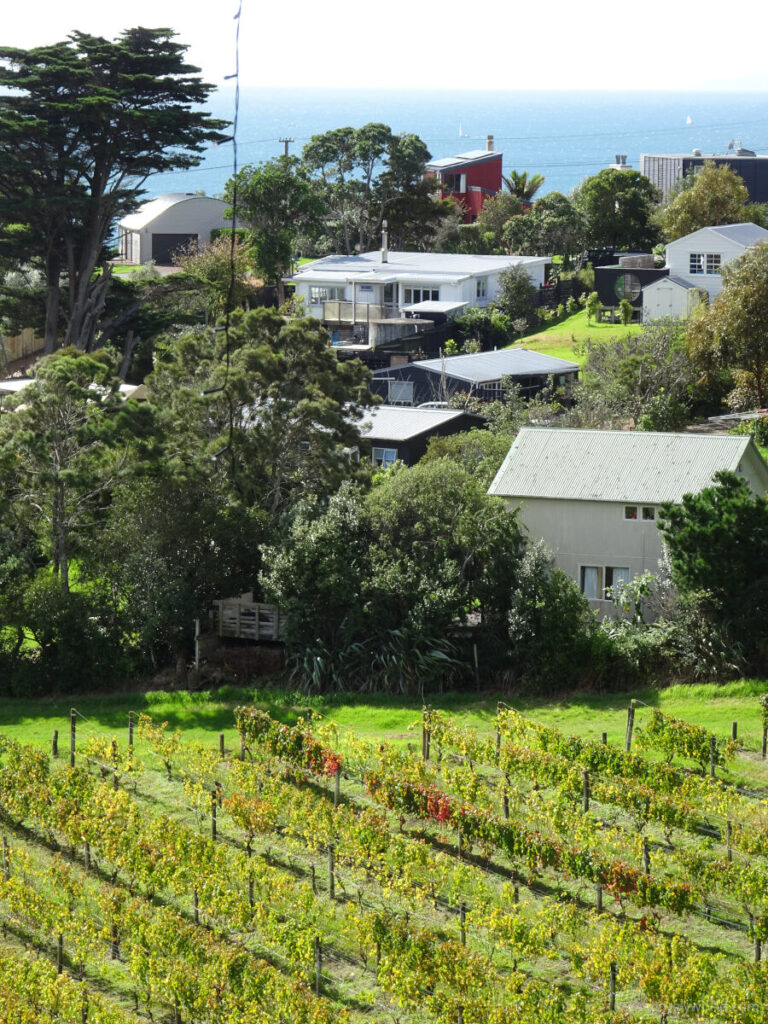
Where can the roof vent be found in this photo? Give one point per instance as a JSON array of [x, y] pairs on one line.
[[384, 242], [489, 143]]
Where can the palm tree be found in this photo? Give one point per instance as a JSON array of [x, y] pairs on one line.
[[520, 185]]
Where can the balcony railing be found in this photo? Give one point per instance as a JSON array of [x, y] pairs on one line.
[[345, 312]]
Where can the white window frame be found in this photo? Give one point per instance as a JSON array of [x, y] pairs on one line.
[[325, 293], [383, 457], [481, 288], [649, 514], [704, 263], [419, 293], [631, 513]]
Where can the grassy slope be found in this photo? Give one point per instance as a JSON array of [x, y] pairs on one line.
[[203, 715], [560, 339]]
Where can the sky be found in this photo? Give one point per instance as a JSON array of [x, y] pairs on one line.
[[560, 44]]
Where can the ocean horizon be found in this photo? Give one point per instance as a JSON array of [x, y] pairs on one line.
[[566, 136]]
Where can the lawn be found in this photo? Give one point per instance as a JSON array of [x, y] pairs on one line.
[[205, 714], [561, 340]]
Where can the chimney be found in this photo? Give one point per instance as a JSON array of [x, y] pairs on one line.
[[384, 250], [489, 143]]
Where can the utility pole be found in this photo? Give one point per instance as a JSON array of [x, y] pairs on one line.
[[286, 143]]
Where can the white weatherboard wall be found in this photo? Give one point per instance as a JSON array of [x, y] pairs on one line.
[[667, 298], [592, 533], [170, 215], [708, 241]]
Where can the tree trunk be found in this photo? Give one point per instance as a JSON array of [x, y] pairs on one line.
[[52, 302]]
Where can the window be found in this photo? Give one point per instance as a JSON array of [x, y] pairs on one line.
[[389, 295], [384, 457], [591, 582], [616, 577], [628, 287], [704, 263], [413, 295], [630, 511], [325, 293], [649, 514], [400, 392], [481, 291]]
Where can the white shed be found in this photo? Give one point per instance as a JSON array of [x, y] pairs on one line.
[[699, 257], [170, 222], [593, 496], [670, 296]]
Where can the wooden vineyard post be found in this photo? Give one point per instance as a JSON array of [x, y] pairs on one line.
[[314, 878], [612, 987], [331, 879], [630, 726], [425, 735], [55, 743], [728, 840], [250, 890], [114, 951], [604, 739], [460, 1015], [463, 922], [130, 728], [764, 748], [6, 869], [195, 906], [712, 756], [115, 777], [87, 856], [498, 730], [72, 736], [221, 744], [336, 787], [585, 788], [60, 954], [318, 966], [214, 803], [646, 857], [458, 844], [734, 730], [84, 1013], [598, 897]]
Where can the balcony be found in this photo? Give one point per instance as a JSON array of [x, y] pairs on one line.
[[346, 312]]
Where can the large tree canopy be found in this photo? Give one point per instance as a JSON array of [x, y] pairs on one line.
[[83, 122], [617, 206]]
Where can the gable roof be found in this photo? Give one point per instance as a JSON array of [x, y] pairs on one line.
[[400, 423], [621, 465], [744, 234], [480, 367], [672, 279]]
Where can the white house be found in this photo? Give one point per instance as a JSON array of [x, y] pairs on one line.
[[168, 223], [374, 288], [695, 262], [593, 496]]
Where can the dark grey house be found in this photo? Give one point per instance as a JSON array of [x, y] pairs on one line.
[[401, 434], [481, 375], [666, 169]]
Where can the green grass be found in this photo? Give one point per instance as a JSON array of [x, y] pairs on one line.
[[560, 340], [203, 715]]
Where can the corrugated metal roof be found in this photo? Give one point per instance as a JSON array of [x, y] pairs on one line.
[[462, 159], [152, 209], [409, 266], [506, 362], [399, 423], [614, 465], [743, 234]]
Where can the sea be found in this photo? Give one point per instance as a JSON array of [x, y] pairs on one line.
[[566, 136]]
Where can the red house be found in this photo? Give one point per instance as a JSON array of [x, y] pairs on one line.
[[469, 178]]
